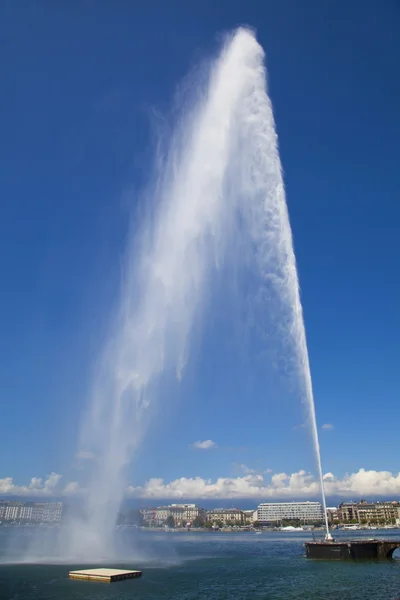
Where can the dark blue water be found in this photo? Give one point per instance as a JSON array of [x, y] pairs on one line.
[[194, 566]]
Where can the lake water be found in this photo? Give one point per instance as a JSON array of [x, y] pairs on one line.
[[194, 566]]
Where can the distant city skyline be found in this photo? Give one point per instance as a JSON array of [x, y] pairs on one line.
[[270, 514]]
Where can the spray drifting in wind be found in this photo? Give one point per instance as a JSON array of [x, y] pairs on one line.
[[220, 180]]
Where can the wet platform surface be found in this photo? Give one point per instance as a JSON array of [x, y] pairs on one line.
[[106, 575]]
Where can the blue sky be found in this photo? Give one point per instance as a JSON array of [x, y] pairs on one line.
[[83, 86]]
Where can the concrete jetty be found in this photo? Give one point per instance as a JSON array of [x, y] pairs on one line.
[[106, 575], [361, 549]]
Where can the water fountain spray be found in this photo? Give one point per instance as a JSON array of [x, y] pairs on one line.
[[218, 181]]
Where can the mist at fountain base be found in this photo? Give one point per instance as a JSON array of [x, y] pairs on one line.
[[46, 546]]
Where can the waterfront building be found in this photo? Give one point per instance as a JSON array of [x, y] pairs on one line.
[[332, 514], [183, 514], [248, 515], [228, 516], [305, 512], [25, 513], [31, 512], [379, 512], [148, 515], [369, 512], [12, 511], [51, 512], [347, 512], [155, 517], [186, 513]]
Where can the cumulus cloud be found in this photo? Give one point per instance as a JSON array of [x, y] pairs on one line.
[[205, 445], [327, 426], [280, 485], [71, 488], [51, 486], [363, 483], [52, 481]]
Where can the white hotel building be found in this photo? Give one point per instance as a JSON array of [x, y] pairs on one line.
[[305, 512]]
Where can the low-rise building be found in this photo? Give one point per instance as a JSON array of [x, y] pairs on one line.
[[157, 516], [332, 514], [369, 512], [227, 516], [379, 512], [347, 512], [248, 516], [183, 514], [149, 515]]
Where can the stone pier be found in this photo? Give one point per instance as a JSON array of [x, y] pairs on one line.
[[352, 549]]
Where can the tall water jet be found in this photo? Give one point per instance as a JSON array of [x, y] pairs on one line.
[[218, 184]]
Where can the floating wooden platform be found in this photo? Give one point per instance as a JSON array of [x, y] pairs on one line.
[[106, 575]]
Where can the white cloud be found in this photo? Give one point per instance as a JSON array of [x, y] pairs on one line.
[[36, 487], [84, 455], [363, 483], [280, 485], [71, 488], [206, 445], [328, 426], [52, 481]]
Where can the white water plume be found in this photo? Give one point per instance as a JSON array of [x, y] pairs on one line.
[[218, 187]]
